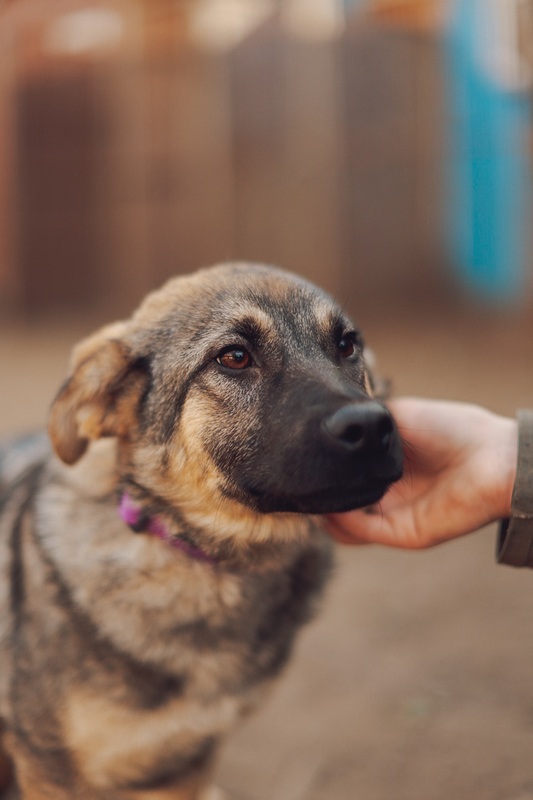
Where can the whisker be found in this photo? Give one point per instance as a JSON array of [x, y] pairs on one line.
[[411, 459]]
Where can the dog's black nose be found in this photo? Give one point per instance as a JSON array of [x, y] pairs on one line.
[[361, 426]]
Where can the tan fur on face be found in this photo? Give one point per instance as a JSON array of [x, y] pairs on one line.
[[193, 484], [368, 385]]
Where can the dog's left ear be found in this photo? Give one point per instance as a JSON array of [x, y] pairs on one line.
[[101, 397]]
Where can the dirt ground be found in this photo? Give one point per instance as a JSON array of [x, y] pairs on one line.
[[415, 680]]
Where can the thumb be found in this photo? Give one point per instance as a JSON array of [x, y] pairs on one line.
[[352, 527]]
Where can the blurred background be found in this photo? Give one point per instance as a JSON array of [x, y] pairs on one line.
[[382, 148]]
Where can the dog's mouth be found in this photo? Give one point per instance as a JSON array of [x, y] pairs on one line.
[[330, 500], [336, 501]]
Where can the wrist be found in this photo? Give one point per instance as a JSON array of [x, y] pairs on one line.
[[496, 465], [508, 468]]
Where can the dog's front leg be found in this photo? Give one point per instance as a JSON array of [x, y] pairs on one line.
[[31, 786], [195, 789]]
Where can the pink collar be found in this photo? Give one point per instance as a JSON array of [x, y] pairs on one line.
[[132, 515]]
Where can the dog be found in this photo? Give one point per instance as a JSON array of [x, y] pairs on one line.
[[157, 563]]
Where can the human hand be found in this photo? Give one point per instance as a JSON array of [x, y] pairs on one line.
[[460, 467]]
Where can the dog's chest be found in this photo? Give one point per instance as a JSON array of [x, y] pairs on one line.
[[114, 744], [163, 608], [222, 661], [215, 629]]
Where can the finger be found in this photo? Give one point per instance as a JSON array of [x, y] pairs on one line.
[[360, 527], [395, 529], [343, 531]]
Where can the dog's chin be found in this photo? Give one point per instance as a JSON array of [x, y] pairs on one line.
[[325, 501]]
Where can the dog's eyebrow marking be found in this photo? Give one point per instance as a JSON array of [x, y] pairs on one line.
[[256, 326], [341, 326], [334, 324]]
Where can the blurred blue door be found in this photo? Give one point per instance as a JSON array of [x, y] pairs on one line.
[[488, 169]]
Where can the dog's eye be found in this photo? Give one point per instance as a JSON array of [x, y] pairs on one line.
[[347, 346], [235, 358]]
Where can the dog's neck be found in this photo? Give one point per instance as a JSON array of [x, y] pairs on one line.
[[134, 516], [227, 532]]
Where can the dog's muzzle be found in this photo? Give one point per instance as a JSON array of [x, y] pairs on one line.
[[337, 457]]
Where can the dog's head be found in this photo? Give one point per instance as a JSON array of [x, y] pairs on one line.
[[239, 383]]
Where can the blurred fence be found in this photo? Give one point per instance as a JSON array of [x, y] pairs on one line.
[[144, 138]]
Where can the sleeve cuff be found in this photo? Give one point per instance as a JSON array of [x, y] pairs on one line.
[[515, 537]]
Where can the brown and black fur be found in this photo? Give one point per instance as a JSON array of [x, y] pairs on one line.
[[124, 661]]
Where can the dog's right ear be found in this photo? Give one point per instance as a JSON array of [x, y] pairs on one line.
[[101, 396], [377, 387]]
